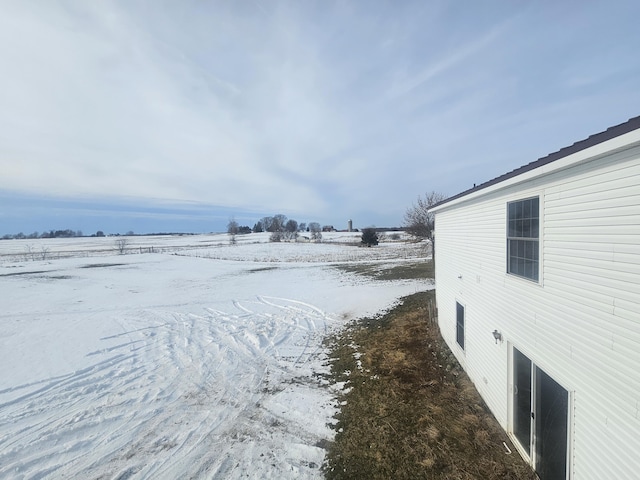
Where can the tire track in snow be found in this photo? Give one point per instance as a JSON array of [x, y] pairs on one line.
[[306, 311], [180, 397]]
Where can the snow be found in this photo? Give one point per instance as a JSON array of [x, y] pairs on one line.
[[200, 360]]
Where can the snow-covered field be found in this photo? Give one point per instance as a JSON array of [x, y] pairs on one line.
[[186, 357]]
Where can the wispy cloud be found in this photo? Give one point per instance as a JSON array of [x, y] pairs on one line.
[[322, 109], [447, 61]]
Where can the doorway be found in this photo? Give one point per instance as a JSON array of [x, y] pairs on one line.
[[540, 418]]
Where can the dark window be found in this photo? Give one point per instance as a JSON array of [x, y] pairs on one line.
[[523, 225], [460, 325]]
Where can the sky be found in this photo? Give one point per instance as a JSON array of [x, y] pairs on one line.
[[152, 116]]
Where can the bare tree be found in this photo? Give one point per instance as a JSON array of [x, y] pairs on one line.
[[417, 219], [266, 223], [291, 226], [232, 230], [279, 221], [316, 231], [291, 230], [29, 252], [121, 245], [276, 236]]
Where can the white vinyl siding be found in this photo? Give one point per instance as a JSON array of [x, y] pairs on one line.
[[581, 325]]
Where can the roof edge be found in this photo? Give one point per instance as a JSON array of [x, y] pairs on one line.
[[591, 141]]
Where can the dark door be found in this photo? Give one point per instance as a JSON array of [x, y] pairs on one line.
[[522, 400], [552, 404], [540, 418]]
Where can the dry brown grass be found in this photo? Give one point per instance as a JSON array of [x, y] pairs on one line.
[[420, 269], [410, 411]]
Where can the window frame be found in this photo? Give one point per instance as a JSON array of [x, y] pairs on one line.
[[523, 232]]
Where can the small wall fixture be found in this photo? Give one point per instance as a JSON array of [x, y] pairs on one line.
[[497, 335]]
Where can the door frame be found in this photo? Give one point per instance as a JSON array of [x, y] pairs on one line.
[[531, 458]]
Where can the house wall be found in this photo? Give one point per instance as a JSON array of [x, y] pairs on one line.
[[580, 324]]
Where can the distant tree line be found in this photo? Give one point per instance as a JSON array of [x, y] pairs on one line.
[[50, 234], [75, 233], [280, 227]]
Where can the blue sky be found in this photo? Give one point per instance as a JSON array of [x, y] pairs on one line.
[[175, 116]]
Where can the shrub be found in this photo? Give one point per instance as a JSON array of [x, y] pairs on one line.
[[369, 237]]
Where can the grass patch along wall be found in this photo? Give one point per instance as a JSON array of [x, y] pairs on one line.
[[408, 410]]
